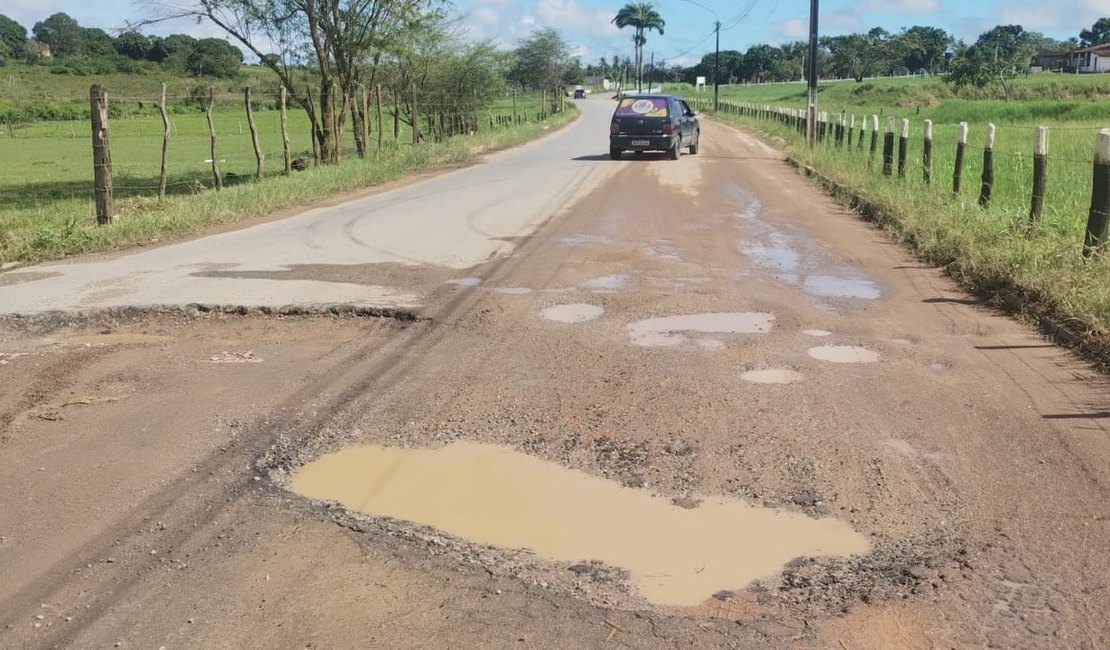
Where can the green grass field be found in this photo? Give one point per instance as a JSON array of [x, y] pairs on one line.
[[993, 248]]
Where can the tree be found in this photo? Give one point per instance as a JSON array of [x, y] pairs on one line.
[[923, 48], [61, 33], [858, 56], [324, 46], [96, 43], [174, 46], [759, 60], [13, 37], [1098, 34], [133, 45], [541, 60], [999, 54], [212, 57], [642, 17]]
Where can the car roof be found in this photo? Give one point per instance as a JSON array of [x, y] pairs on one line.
[[651, 96]]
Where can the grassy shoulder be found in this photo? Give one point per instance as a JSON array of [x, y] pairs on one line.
[[65, 227], [1053, 97], [1036, 269]]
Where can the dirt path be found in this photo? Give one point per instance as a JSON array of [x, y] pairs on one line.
[[144, 472]]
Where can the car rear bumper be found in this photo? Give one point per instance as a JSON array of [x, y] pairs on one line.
[[643, 142]]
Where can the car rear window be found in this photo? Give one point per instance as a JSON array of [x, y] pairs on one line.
[[643, 107]]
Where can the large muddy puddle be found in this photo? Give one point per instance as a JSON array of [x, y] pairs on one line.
[[491, 494], [672, 331]]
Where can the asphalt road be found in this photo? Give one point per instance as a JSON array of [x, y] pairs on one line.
[[450, 222], [707, 330]]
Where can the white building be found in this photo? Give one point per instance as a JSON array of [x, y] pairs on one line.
[[1090, 59]]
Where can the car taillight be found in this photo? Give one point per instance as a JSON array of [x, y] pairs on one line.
[[615, 128], [668, 129]]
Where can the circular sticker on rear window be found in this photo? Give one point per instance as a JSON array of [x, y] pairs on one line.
[[643, 106]]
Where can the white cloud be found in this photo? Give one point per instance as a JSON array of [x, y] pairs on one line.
[[1080, 14], [569, 15], [792, 29]]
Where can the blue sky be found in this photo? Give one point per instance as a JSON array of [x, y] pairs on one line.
[[586, 23]]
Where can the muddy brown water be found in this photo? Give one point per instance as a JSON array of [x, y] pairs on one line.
[[492, 494]]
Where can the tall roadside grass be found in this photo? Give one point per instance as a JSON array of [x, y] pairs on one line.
[[997, 251], [62, 226]]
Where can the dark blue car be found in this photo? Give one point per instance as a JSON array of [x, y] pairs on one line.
[[653, 123]]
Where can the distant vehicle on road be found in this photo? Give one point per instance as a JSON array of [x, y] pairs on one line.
[[580, 93], [653, 123]]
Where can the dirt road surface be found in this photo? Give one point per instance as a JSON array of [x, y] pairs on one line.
[[695, 330]]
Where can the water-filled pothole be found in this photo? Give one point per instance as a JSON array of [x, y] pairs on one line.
[[607, 282], [513, 291], [490, 494], [817, 333], [772, 376], [466, 282], [572, 313], [844, 354], [669, 331]]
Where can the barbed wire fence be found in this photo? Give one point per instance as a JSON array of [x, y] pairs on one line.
[[1013, 172], [201, 138]]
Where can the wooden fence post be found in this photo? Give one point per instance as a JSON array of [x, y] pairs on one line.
[[286, 153], [378, 97], [874, 140], [888, 148], [217, 178], [102, 155], [516, 118], [259, 157], [1040, 171], [903, 148], [988, 169], [366, 121], [961, 147], [543, 104], [927, 153], [851, 130], [164, 174], [415, 119], [1099, 216], [396, 115]]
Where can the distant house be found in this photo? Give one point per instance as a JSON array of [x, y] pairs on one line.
[[598, 82], [1090, 59], [1050, 62]]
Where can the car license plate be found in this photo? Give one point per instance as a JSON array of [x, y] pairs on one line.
[[640, 143]]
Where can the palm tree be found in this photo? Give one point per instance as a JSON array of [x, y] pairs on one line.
[[643, 17]]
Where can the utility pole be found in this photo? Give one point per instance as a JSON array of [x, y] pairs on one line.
[[811, 110], [717, 69]]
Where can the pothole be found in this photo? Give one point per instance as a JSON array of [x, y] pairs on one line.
[[494, 495], [831, 286], [607, 282], [844, 354], [669, 331], [513, 291], [584, 240], [572, 313], [817, 333], [772, 376], [466, 282]]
